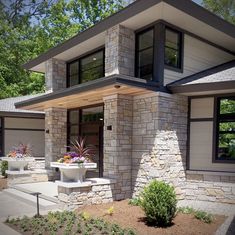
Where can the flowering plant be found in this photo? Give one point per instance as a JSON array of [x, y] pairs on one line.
[[20, 151], [81, 154]]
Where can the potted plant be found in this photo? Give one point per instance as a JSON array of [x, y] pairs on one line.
[[19, 157], [73, 165]]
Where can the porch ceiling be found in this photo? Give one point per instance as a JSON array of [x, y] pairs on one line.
[[89, 93]]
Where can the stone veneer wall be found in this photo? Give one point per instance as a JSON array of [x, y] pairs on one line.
[[159, 140], [119, 51], [55, 75], [71, 198], [210, 186], [56, 139], [118, 143]]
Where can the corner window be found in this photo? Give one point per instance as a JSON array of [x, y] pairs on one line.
[[86, 68], [173, 48], [225, 129], [144, 54]]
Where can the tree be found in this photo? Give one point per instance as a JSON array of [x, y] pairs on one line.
[[29, 28], [222, 8]]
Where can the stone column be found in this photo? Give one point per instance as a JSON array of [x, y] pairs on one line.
[[55, 75], [56, 134], [118, 143], [119, 51]]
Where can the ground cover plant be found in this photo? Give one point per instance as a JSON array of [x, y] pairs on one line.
[[198, 214], [66, 223]]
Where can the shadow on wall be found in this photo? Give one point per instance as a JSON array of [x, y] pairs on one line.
[[159, 141]]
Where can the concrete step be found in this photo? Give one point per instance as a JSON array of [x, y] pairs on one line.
[[44, 204], [43, 196]]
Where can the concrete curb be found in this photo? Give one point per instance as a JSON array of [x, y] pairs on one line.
[[228, 227]]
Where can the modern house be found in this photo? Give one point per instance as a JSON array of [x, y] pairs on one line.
[[153, 88], [21, 126]]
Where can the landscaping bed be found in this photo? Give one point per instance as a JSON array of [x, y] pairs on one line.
[[133, 217], [3, 182]]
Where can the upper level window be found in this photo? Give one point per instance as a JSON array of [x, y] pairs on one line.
[[86, 68], [225, 143], [144, 54], [172, 48]]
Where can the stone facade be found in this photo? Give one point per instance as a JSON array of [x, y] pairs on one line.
[[119, 51], [118, 143], [56, 134], [210, 186], [159, 140], [55, 75], [71, 198]]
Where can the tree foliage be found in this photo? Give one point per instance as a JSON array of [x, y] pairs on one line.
[[223, 8], [29, 28]]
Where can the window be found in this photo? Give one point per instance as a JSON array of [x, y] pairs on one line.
[[225, 129], [173, 48], [144, 55], [86, 69]]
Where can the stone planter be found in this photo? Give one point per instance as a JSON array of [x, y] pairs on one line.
[[17, 164], [73, 172]]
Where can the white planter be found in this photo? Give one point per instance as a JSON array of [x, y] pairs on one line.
[[17, 164], [73, 172]]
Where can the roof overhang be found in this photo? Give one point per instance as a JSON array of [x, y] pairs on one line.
[[22, 114], [204, 88], [182, 13], [89, 93]]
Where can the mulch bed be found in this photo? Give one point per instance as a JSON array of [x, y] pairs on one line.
[[133, 217]]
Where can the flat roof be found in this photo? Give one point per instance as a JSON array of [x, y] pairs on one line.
[[181, 13]]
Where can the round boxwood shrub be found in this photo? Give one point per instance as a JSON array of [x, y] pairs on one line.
[[159, 203]]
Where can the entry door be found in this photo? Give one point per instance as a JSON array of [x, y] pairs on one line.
[[91, 127]]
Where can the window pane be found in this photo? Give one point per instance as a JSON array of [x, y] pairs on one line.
[[73, 80], [74, 130], [73, 117], [145, 72], [92, 74], [145, 40], [227, 126], [92, 114], [73, 68], [227, 106], [145, 57], [226, 148], [172, 39], [92, 61], [171, 57]]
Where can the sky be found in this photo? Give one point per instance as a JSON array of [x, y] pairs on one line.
[[198, 1]]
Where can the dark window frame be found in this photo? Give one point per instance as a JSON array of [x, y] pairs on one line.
[[79, 59], [216, 132], [180, 51]]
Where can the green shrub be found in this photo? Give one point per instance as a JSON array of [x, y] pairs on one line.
[[159, 203], [4, 167]]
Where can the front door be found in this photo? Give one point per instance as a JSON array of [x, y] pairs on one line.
[[88, 123]]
